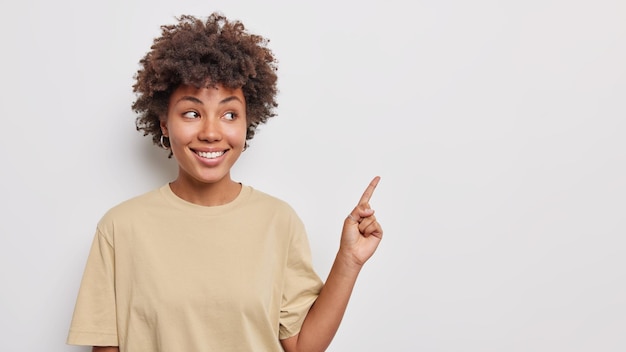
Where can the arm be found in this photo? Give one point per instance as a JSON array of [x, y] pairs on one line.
[[359, 239], [105, 349]]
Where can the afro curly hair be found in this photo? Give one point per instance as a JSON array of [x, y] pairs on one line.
[[205, 53]]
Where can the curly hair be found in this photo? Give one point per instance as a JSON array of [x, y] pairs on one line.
[[205, 53]]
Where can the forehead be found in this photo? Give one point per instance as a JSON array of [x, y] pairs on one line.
[[208, 94]]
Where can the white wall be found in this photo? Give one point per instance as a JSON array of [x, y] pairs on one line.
[[497, 127]]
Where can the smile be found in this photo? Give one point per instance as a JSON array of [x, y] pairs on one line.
[[211, 155]]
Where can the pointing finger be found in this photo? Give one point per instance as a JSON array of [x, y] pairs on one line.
[[367, 195]]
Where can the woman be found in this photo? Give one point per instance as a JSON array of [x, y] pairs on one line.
[[205, 263]]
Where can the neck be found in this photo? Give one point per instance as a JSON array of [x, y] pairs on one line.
[[206, 194]]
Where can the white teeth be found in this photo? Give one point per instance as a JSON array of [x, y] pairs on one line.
[[211, 155]]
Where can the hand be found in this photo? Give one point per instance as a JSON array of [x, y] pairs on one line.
[[361, 232]]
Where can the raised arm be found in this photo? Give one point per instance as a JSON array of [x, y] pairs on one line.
[[360, 237]]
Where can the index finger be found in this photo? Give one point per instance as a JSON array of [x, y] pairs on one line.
[[367, 195]]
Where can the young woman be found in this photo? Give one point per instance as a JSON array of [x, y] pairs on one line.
[[205, 263]]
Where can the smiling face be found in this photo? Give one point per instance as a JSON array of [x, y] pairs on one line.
[[206, 128]]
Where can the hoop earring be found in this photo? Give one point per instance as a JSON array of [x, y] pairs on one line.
[[166, 147]]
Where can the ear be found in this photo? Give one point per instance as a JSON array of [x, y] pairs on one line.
[[164, 130]]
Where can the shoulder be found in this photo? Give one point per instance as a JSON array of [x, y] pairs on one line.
[[261, 205], [274, 213], [262, 199], [130, 208]]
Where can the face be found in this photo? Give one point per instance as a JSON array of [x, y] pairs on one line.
[[207, 132]]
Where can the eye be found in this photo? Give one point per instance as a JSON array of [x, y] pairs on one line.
[[191, 115], [230, 115]]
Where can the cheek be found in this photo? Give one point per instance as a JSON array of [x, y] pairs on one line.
[[238, 134], [181, 133]]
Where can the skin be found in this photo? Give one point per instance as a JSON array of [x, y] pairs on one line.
[[202, 120], [206, 120], [360, 237]]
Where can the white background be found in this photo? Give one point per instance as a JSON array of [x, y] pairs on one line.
[[497, 128]]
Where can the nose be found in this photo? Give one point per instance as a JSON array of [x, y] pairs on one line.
[[210, 130]]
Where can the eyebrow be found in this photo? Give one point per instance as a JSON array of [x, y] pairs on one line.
[[198, 101]]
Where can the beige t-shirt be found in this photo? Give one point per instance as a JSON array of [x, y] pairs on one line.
[[164, 274]]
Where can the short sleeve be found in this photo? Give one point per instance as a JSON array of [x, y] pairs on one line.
[[94, 321], [301, 285]]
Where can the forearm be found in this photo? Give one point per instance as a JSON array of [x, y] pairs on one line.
[[360, 237], [325, 315], [105, 349]]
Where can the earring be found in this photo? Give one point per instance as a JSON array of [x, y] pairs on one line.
[[166, 147]]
